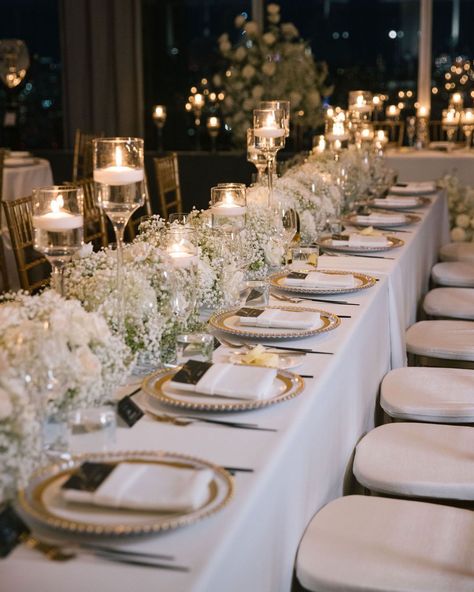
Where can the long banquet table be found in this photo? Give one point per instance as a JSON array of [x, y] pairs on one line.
[[251, 544]]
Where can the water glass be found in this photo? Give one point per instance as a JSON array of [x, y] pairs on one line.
[[194, 346], [255, 293], [304, 257], [92, 429]]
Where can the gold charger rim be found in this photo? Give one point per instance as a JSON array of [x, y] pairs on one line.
[[409, 219], [395, 244], [423, 201], [367, 282], [293, 382], [330, 322], [38, 510]]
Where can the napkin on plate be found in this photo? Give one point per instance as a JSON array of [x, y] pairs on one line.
[[361, 240], [148, 487], [381, 218], [228, 380], [283, 319], [319, 279], [397, 201], [413, 188]]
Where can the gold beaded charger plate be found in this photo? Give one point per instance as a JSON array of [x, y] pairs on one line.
[[409, 219], [227, 322], [286, 385], [362, 281], [42, 501], [393, 243], [421, 202]]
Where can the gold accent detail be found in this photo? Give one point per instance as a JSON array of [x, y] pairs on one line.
[[367, 282]]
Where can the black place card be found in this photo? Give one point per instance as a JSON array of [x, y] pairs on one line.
[[191, 372], [89, 476], [340, 237], [12, 528], [254, 295], [297, 275], [249, 312], [216, 343], [401, 184], [129, 411]]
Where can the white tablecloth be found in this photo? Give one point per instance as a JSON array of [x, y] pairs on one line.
[[20, 182], [425, 165], [251, 544]]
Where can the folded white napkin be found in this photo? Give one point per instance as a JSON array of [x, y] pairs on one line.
[[362, 240], [149, 487], [283, 319], [413, 188], [381, 218], [397, 201], [233, 381], [319, 279]]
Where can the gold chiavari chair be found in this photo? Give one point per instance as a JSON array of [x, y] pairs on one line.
[[167, 180], [82, 167], [3, 264], [394, 130], [33, 268], [95, 222], [141, 214]]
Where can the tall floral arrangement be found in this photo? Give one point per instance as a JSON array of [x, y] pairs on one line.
[[271, 64], [461, 208]]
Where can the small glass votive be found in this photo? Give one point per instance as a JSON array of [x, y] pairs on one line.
[[194, 346], [255, 293], [92, 429], [304, 257]]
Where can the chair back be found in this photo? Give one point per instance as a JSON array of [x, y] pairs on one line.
[[95, 221], [82, 166], [33, 269], [167, 180], [394, 130], [3, 265]]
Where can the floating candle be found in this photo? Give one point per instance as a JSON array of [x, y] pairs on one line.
[[118, 174], [58, 220]]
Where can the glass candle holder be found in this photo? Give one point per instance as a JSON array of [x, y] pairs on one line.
[[392, 112], [467, 124], [255, 156], [319, 144], [120, 183], [269, 135], [366, 133], [159, 117], [450, 122], [361, 101], [181, 246], [228, 207], [456, 101], [213, 126], [337, 133], [284, 106], [58, 224]]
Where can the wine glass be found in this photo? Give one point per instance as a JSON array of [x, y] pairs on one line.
[[269, 135], [450, 122], [411, 130], [14, 61], [120, 181], [58, 224], [288, 219], [255, 156]]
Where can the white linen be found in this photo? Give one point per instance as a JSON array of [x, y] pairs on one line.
[[444, 395], [367, 240], [234, 381], [381, 218], [397, 201], [456, 303], [414, 188], [361, 543], [148, 487], [453, 273], [419, 165], [283, 319], [452, 340], [319, 279]]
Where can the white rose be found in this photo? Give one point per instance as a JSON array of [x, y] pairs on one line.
[[463, 221], [239, 21], [248, 71], [273, 8], [274, 19], [6, 407], [240, 53], [269, 38], [269, 68], [136, 252], [89, 362], [274, 252], [257, 92], [251, 28], [85, 251], [458, 235]]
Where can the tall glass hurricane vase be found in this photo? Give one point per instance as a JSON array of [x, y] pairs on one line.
[[119, 177], [269, 134], [58, 226]]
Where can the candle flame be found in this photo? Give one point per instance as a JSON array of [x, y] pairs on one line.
[[118, 156], [360, 100], [270, 120], [57, 204], [228, 198]]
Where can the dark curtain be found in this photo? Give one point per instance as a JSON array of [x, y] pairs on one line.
[[101, 44]]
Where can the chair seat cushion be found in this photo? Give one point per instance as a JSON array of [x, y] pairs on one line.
[[441, 395], [457, 303], [451, 340], [373, 544], [417, 459], [454, 273], [457, 252]]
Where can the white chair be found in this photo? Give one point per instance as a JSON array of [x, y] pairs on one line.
[[453, 273], [374, 544], [445, 342], [421, 460], [457, 252], [435, 395], [454, 303]]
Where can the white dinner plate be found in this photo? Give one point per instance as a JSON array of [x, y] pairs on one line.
[[409, 219], [285, 361], [393, 243], [362, 281]]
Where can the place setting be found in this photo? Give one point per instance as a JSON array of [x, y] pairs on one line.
[[400, 202], [382, 219], [362, 242]]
